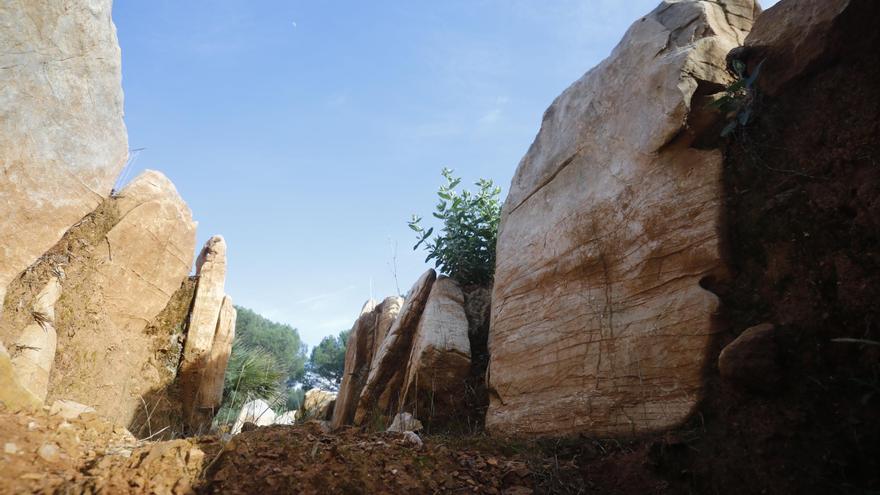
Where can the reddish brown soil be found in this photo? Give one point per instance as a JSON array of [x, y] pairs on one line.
[[305, 459]]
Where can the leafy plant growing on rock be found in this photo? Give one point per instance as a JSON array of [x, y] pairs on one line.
[[737, 100], [465, 248]]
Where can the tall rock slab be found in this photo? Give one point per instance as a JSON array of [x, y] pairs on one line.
[[76, 321], [62, 138], [388, 366], [364, 339], [210, 393], [202, 329], [440, 358], [599, 322], [113, 289]]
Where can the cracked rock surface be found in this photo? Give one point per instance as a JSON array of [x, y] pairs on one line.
[[599, 321]]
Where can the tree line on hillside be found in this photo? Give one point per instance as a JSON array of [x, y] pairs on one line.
[[269, 361]]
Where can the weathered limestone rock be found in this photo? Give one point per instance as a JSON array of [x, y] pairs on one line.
[[388, 312], [12, 394], [752, 359], [405, 422], [363, 340], [114, 291], [441, 353], [599, 322], [149, 252], [316, 403], [62, 138], [286, 418], [203, 325], [256, 412], [211, 386], [35, 347], [69, 409], [386, 372], [34, 357], [210, 291]]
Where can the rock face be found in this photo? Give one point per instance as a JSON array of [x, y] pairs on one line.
[[118, 269], [794, 38], [752, 360], [440, 357], [599, 322], [12, 394], [149, 251], [211, 392], [366, 335], [387, 369], [62, 138], [211, 273], [316, 404], [35, 347], [256, 412], [207, 328]]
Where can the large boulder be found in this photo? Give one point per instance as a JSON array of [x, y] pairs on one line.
[[440, 358], [118, 269], [62, 138], [317, 404], [386, 372], [599, 321], [149, 252], [363, 341]]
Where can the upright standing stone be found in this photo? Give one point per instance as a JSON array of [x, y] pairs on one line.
[[441, 354], [386, 372], [62, 138], [363, 340], [599, 323], [203, 321], [211, 387]]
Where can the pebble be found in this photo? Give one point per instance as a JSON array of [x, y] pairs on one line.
[[49, 452], [10, 448]]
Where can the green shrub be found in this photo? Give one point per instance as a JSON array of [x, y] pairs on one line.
[[465, 248], [738, 100], [252, 373]]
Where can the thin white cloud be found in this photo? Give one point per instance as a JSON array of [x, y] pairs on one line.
[[323, 297]]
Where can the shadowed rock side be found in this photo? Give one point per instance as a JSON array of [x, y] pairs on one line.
[[117, 270], [440, 358], [386, 373], [599, 322], [62, 138], [364, 339]]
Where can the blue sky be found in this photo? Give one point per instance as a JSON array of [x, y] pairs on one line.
[[308, 131]]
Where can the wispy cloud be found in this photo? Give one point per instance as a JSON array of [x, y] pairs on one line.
[[494, 114], [312, 300]]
